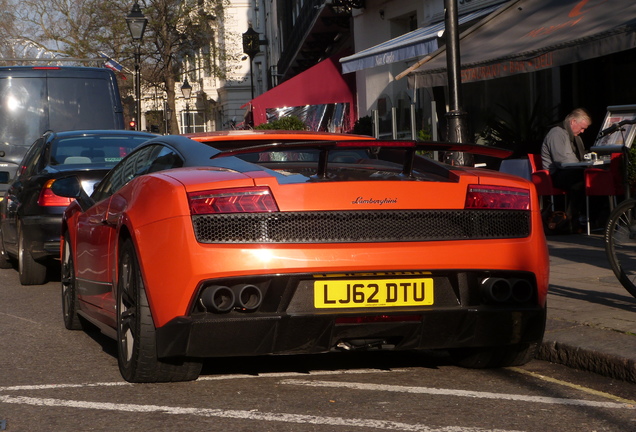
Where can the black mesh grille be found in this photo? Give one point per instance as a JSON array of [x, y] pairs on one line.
[[361, 226]]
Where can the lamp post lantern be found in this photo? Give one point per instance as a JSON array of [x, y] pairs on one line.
[[186, 90], [136, 22], [251, 47]]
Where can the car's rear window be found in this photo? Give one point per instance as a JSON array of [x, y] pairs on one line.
[[30, 106], [103, 151]]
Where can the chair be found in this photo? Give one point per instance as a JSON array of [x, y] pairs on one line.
[[604, 182], [542, 180], [518, 167]]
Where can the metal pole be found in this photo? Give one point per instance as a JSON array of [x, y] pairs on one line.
[[252, 76], [165, 117], [376, 123], [187, 117], [456, 117], [138, 87], [394, 131], [413, 125]]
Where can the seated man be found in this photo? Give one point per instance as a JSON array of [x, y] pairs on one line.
[[562, 144]]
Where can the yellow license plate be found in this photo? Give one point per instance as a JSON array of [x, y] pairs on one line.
[[373, 293]]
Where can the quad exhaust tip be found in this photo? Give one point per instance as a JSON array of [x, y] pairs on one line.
[[500, 290], [218, 299], [248, 297], [223, 299]]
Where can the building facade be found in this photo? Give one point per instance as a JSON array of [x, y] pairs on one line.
[[375, 42]]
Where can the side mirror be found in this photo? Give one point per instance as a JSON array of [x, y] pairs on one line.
[[68, 187]]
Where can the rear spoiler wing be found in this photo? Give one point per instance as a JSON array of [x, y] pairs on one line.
[[411, 148]]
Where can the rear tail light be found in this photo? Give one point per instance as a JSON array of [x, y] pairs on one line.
[[236, 200], [48, 199], [497, 197]]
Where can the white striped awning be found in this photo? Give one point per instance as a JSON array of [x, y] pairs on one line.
[[417, 43]]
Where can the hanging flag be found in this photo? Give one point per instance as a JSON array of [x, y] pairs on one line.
[[113, 65]]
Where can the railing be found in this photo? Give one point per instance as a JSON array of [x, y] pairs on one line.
[[299, 32]]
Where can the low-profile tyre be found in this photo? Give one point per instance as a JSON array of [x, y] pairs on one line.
[[5, 261], [31, 272], [69, 288], [136, 344], [493, 357], [503, 356]]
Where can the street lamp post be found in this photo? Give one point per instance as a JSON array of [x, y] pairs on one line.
[[251, 47], [456, 117], [136, 22], [167, 113], [186, 90]]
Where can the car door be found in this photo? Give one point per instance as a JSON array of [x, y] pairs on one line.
[[98, 227], [19, 192]]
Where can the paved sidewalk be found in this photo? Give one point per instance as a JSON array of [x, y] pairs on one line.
[[591, 317]]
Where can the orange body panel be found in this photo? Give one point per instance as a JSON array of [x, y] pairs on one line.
[[174, 263], [155, 210]]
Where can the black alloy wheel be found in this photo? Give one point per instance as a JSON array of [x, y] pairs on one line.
[[136, 343]]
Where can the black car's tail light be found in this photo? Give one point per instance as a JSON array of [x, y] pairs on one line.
[[235, 200], [48, 199], [497, 197]]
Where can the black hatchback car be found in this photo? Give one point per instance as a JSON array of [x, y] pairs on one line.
[[31, 214]]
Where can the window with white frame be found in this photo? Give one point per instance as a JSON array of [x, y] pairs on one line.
[[192, 121]]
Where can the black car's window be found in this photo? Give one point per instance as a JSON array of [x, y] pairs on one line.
[[102, 150], [31, 162], [147, 160]]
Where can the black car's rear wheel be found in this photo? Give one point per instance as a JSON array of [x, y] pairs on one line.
[[137, 354], [31, 271], [69, 288]]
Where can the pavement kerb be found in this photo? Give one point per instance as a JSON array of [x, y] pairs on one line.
[[591, 322], [604, 352]]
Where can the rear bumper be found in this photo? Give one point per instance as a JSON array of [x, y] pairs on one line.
[[208, 335], [42, 235]]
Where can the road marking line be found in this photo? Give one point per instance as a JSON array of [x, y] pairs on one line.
[[461, 393], [61, 386], [238, 414], [302, 374], [20, 318], [208, 378], [574, 386]]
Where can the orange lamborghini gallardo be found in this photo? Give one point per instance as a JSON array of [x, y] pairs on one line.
[[250, 243]]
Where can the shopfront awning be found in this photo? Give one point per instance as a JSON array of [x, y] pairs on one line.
[[417, 43], [319, 85], [531, 35]]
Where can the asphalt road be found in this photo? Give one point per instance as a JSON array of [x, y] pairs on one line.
[[52, 379]]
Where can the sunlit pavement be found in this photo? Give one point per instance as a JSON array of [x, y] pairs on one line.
[[591, 317]]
